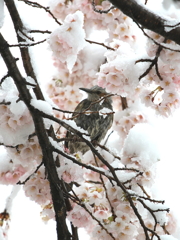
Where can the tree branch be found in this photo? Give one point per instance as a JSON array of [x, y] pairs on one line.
[[18, 25], [56, 191]]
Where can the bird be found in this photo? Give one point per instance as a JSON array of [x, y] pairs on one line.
[[87, 116]]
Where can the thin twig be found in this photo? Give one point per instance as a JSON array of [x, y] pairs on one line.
[[101, 11], [26, 44], [3, 78], [23, 33], [107, 150], [105, 190], [22, 183], [40, 31], [154, 62], [77, 201], [102, 44], [5, 103], [157, 43], [37, 5]]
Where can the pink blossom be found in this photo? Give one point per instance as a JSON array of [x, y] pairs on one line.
[[37, 188], [62, 40], [79, 216], [12, 176]]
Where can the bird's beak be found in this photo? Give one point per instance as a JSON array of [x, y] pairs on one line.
[[86, 90]]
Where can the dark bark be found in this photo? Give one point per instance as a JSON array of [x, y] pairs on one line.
[[124, 103]]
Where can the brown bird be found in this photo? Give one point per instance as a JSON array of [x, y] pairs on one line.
[[95, 123]]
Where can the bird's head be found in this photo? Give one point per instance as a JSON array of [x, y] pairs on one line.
[[94, 93]]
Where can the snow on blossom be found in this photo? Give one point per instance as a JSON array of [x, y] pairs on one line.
[[8, 91], [125, 176], [119, 75], [15, 120], [58, 8], [91, 57], [115, 75], [69, 39], [15, 128], [28, 154], [125, 120], [141, 145], [70, 171], [18, 108]]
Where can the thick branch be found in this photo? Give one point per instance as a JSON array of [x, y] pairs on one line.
[[18, 25], [56, 191], [147, 19]]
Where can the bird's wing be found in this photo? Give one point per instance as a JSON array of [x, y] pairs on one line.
[[80, 120], [100, 127], [97, 125]]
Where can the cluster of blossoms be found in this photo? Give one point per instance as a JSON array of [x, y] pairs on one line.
[[64, 97], [16, 125], [162, 92], [37, 188], [28, 154], [11, 174], [163, 96], [95, 203], [115, 75], [15, 120], [127, 119], [22, 161], [62, 39], [114, 22], [106, 213], [69, 171], [47, 212]]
